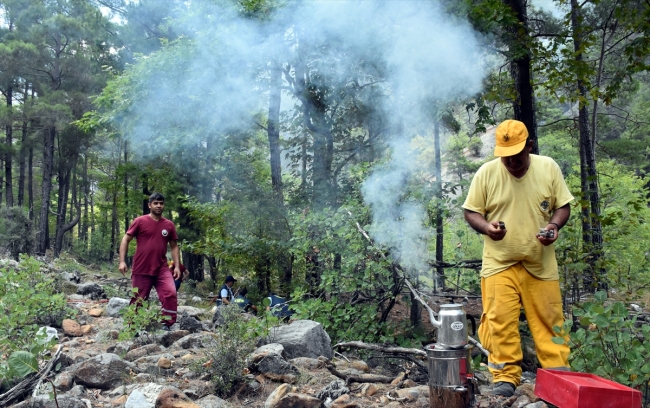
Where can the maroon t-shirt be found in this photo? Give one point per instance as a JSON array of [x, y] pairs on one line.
[[152, 237]]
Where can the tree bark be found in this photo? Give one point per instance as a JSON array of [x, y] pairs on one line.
[[21, 163], [273, 130], [126, 186], [30, 183], [440, 271], [596, 278], [9, 196], [62, 203], [48, 166], [521, 72]]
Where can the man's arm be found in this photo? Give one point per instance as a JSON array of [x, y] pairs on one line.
[[480, 225], [124, 247], [176, 257], [558, 220], [224, 299]]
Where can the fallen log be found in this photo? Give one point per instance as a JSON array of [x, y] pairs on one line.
[[383, 349], [361, 378]]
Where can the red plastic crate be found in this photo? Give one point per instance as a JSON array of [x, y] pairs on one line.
[[567, 389]]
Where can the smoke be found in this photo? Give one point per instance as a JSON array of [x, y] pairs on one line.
[[214, 83]]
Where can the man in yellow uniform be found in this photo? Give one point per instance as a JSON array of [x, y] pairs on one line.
[[527, 194]]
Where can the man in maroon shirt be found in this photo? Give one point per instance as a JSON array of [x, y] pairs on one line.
[[153, 232]]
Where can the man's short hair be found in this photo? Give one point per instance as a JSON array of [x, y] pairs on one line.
[[156, 197]]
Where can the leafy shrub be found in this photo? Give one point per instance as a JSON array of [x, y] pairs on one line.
[[142, 318], [228, 354], [27, 300], [608, 343]]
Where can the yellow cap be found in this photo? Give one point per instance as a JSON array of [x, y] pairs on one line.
[[511, 138]]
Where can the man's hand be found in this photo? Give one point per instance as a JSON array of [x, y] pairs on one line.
[[548, 241], [123, 268], [493, 231], [177, 272]]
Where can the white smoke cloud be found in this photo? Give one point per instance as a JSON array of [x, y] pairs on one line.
[[215, 85]]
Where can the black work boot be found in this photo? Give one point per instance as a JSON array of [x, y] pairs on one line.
[[503, 389]]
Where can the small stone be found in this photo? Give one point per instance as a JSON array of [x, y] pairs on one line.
[[409, 383], [188, 357], [383, 400], [96, 312], [398, 379], [86, 328], [64, 381], [368, 390], [71, 328], [164, 363], [343, 399], [89, 341], [360, 365]]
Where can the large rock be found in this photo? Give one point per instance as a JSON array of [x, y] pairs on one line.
[[302, 338], [138, 400], [44, 401], [212, 401], [277, 394], [192, 311], [91, 289], [189, 323], [115, 305], [104, 371], [145, 350], [295, 400]]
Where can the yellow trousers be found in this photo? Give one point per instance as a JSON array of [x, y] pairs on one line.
[[503, 296]]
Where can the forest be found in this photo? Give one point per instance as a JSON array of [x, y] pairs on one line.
[[322, 149]]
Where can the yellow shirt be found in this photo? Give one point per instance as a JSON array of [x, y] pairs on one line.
[[525, 205]]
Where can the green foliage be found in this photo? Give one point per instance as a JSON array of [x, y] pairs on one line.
[[142, 318], [608, 343], [228, 352], [27, 300]]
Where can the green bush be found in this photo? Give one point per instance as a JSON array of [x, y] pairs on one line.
[[608, 343], [27, 301], [142, 318], [237, 339]]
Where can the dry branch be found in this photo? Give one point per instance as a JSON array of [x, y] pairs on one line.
[[383, 349], [432, 314], [363, 378], [25, 386]]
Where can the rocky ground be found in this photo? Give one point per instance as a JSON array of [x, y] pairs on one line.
[[95, 369]]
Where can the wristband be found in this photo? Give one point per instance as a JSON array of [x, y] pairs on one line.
[[558, 227]]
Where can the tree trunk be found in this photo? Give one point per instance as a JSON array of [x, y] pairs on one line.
[[114, 224], [126, 186], [30, 183], [194, 264], [521, 72], [596, 278], [62, 203], [440, 271], [273, 130], [21, 164], [9, 196], [48, 166]]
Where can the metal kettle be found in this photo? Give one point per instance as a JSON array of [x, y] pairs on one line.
[[452, 326]]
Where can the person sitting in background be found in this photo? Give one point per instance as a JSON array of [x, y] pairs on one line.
[[184, 274], [244, 304], [279, 307]]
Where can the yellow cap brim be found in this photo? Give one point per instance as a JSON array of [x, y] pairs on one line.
[[505, 151]]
